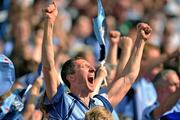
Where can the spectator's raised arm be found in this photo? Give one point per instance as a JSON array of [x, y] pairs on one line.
[[49, 70], [126, 45], [114, 41], [122, 84], [31, 105]]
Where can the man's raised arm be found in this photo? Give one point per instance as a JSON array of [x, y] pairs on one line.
[[122, 84], [125, 44], [49, 70]]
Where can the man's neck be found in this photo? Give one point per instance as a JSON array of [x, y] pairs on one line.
[[85, 100], [84, 97]]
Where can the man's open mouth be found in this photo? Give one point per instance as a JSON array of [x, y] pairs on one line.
[[91, 79]]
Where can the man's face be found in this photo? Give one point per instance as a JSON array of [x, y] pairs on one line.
[[173, 82], [170, 85], [84, 75]]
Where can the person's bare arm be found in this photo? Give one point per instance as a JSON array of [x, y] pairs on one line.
[[126, 45], [30, 107], [121, 85], [114, 41], [49, 70], [111, 62], [37, 46]]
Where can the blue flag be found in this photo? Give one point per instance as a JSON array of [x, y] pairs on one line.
[[100, 30], [101, 33]]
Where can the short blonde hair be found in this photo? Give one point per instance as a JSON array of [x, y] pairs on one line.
[[98, 113]]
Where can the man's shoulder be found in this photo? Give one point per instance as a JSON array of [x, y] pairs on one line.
[[101, 99], [60, 96]]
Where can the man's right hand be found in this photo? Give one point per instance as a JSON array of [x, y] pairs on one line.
[[143, 31], [101, 72], [50, 12]]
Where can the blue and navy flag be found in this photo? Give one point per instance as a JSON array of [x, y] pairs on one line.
[[100, 30]]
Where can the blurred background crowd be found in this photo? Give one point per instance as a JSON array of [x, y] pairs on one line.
[[21, 35]]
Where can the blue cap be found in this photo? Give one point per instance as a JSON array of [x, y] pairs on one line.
[[7, 74]]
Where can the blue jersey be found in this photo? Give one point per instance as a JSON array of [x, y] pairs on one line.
[[64, 106], [174, 112]]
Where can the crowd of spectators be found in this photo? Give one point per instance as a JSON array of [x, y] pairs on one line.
[[22, 30]]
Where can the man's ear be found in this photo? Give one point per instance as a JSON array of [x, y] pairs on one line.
[[70, 77]]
